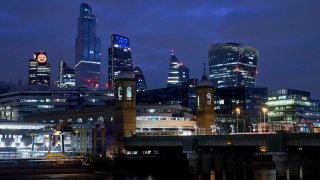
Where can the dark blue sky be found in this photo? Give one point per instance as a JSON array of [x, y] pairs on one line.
[[286, 33]]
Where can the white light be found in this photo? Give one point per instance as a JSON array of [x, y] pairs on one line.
[[13, 144], [47, 144], [2, 144], [21, 144]]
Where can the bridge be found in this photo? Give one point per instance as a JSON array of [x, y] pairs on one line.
[[235, 152]]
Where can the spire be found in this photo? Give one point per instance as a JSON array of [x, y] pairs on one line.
[[204, 80], [204, 75]]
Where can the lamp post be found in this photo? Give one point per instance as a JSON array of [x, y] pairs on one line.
[[238, 113], [264, 118]]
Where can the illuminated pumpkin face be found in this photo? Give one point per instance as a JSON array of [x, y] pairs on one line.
[[42, 58]]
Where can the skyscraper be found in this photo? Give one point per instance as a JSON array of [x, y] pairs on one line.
[[139, 78], [178, 73], [88, 50], [232, 65], [39, 69], [66, 76], [119, 56]]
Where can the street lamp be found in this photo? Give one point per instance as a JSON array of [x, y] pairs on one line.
[[264, 117], [238, 113]]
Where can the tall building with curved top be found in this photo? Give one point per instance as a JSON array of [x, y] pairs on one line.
[[139, 78], [232, 65], [88, 50], [119, 56], [178, 73]]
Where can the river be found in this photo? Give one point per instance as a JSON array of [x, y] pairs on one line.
[[259, 174]]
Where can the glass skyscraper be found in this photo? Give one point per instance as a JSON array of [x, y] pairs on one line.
[[119, 56], [178, 73], [232, 65], [88, 50], [139, 78], [66, 76], [39, 69]]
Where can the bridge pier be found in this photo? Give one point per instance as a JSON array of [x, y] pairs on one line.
[[218, 165], [294, 166], [231, 166], [206, 163], [280, 159], [193, 159]]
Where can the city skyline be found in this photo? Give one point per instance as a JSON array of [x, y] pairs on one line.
[[285, 38]]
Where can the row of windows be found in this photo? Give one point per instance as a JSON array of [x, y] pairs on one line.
[[128, 93]]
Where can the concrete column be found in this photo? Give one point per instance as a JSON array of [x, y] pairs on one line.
[[294, 166], [94, 140], [193, 159], [62, 143], [49, 147], [280, 159], [206, 163], [218, 165]]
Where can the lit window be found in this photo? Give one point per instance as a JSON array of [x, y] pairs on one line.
[[198, 102], [120, 93], [129, 93], [209, 99]]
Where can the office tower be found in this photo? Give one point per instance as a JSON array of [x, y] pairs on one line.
[[88, 50], [119, 56], [39, 69], [290, 109], [232, 65], [66, 76], [178, 73], [139, 78]]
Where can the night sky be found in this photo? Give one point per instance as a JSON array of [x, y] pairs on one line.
[[286, 33]]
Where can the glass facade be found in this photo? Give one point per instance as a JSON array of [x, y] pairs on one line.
[[17, 105], [119, 56], [139, 78], [39, 69], [232, 65], [292, 106], [178, 73], [66, 76], [248, 100], [88, 50]]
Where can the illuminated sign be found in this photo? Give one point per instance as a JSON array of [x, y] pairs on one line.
[[41, 57]]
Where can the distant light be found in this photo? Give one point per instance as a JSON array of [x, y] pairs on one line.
[[13, 144]]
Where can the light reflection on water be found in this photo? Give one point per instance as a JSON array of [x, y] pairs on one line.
[[259, 174]]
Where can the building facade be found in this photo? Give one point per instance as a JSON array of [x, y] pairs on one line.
[[119, 56], [239, 109], [66, 76], [88, 50], [178, 73], [18, 105], [139, 78], [39, 69], [293, 109], [232, 65]]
